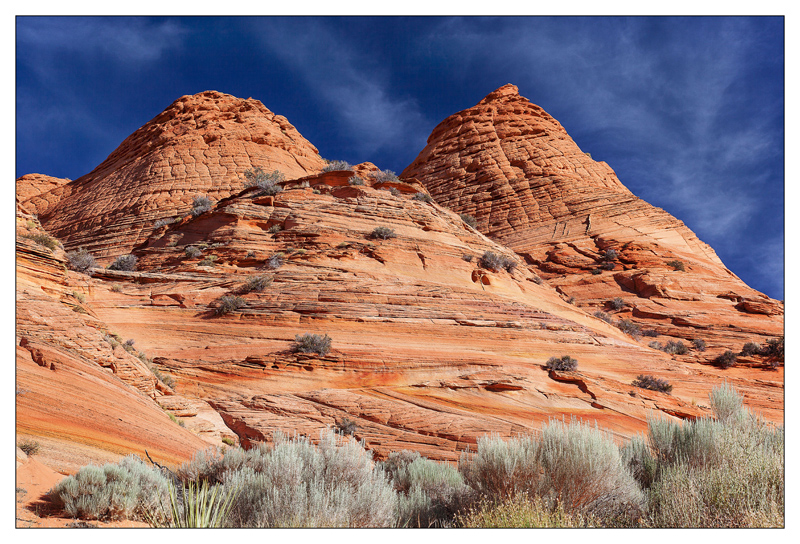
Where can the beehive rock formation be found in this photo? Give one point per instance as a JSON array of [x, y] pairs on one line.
[[430, 348], [200, 145], [515, 169]]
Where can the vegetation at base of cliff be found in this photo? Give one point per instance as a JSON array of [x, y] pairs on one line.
[[721, 471]]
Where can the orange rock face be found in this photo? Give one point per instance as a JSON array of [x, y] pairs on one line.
[[430, 348], [199, 145], [516, 170]]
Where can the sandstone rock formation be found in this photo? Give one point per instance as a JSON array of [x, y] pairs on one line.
[[515, 169], [431, 346], [200, 145]]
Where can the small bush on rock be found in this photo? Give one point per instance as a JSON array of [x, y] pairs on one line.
[[125, 263], [312, 343], [382, 233], [726, 360], [81, 260], [492, 261], [654, 384], [749, 349], [676, 348], [275, 261], [334, 166], [228, 304], [469, 220], [630, 328], [699, 344], [43, 240], [565, 363], [384, 175], [193, 251], [422, 197], [677, 265], [356, 180], [255, 283], [604, 316], [200, 205], [267, 182], [617, 303], [610, 255]]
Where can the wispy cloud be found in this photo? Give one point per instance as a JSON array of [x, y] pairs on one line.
[[355, 85]]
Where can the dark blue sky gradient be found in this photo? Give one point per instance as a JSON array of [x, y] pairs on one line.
[[688, 111]]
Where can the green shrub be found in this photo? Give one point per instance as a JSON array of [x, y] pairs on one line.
[[521, 512], [492, 261], [200, 205], [208, 261], [725, 360], [645, 381], [333, 166], [429, 493], [676, 348], [80, 297], [565, 363], [43, 240], [630, 328], [677, 265], [81, 260], [469, 220], [382, 233], [228, 304], [384, 176], [356, 180], [124, 262], [30, 447], [267, 182], [422, 197], [228, 441], [193, 252], [312, 343], [114, 491]]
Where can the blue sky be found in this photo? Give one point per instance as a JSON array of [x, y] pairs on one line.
[[688, 111]]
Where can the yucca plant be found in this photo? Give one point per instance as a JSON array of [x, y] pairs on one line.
[[194, 506]]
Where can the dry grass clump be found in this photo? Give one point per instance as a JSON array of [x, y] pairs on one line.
[[312, 343], [228, 304]]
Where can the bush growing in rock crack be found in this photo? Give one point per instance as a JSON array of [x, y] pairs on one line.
[[356, 180], [565, 363], [630, 328], [675, 348], [604, 316], [200, 205], [750, 349], [725, 360], [125, 263], [334, 166], [384, 175], [607, 265], [699, 344], [610, 255], [81, 260], [382, 233], [255, 283], [43, 239], [492, 261], [617, 303], [644, 381], [228, 304], [193, 252], [422, 197], [677, 265], [267, 182], [275, 261], [312, 343], [469, 220]]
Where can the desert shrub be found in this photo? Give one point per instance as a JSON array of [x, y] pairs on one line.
[[645, 381], [655, 345], [275, 261], [382, 233], [617, 303], [466, 257], [124, 262], [521, 512], [80, 297], [636, 455], [502, 468], [564, 363], [725, 360], [275, 228], [721, 472], [43, 240], [193, 251], [267, 182], [650, 332], [312, 343], [114, 491], [630, 328], [610, 255], [677, 265], [571, 300], [492, 261], [228, 304], [297, 484], [356, 180], [676, 348], [596, 272], [774, 349], [255, 283], [384, 175], [604, 316], [333, 166], [469, 220], [422, 197], [166, 379], [200, 205], [749, 349], [429, 493], [160, 223], [81, 260], [30, 447], [228, 441], [394, 191], [608, 265], [347, 426], [699, 344], [537, 280], [175, 419]]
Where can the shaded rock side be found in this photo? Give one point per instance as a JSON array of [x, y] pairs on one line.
[[200, 145], [515, 169]]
